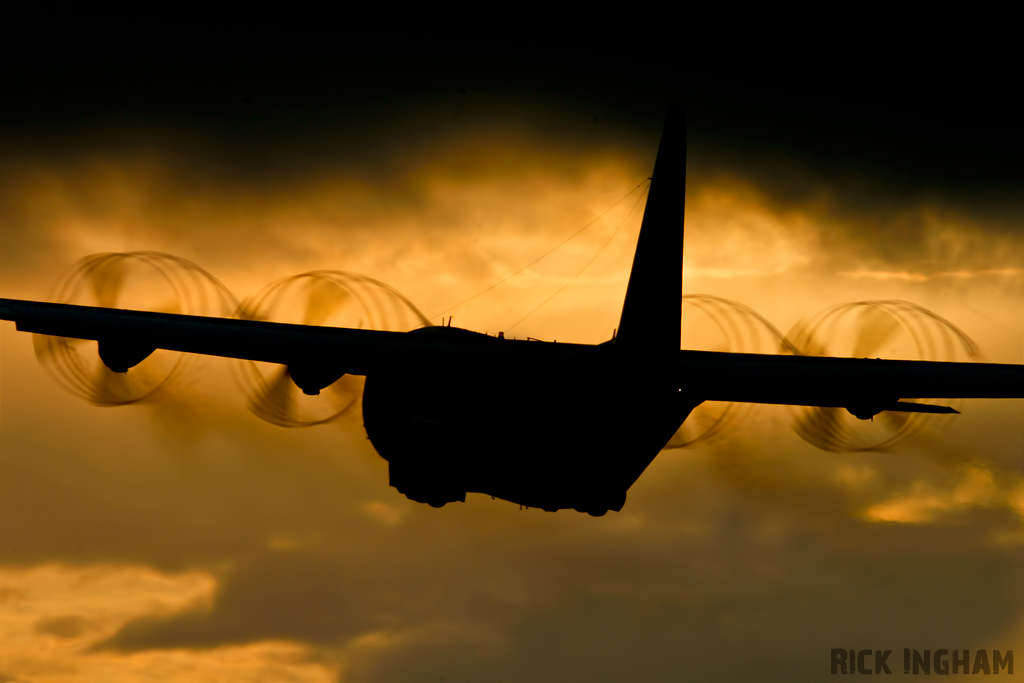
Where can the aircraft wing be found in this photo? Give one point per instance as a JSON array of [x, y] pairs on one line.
[[865, 386], [862, 385], [125, 336]]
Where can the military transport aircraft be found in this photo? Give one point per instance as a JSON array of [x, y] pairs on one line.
[[544, 424]]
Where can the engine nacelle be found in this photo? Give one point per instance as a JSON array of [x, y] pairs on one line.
[[867, 411], [120, 355], [312, 376]]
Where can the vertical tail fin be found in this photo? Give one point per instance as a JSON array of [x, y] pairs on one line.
[[651, 313]]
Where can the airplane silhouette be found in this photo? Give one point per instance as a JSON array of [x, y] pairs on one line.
[[544, 424]]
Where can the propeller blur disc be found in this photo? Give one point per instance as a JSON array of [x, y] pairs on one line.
[[142, 281], [875, 329], [325, 298]]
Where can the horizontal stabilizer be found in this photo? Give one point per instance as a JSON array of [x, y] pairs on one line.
[[868, 410], [902, 407]]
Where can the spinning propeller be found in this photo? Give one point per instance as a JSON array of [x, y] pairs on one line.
[[326, 298], [141, 280], [874, 329], [152, 281]]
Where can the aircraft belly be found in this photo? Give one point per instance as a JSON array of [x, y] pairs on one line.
[[579, 444]]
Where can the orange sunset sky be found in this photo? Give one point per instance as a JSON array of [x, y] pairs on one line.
[[185, 539]]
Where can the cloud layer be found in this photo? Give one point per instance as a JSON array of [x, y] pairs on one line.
[[187, 539]]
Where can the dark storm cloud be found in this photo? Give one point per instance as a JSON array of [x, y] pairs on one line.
[[142, 134], [270, 103], [871, 146], [877, 159]]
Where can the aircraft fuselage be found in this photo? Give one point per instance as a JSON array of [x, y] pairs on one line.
[[554, 433]]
